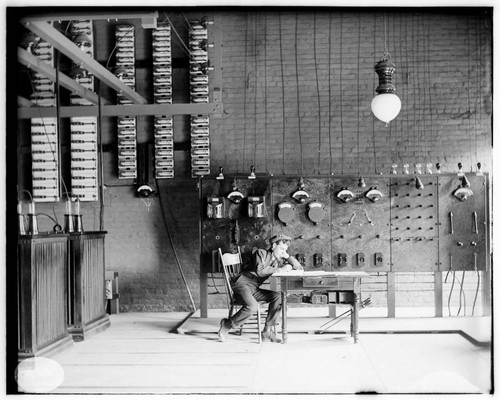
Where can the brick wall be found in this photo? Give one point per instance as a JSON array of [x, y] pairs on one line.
[[296, 90]]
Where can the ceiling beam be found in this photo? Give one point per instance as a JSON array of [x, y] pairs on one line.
[[148, 19], [24, 102], [34, 63], [121, 110], [71, 50]]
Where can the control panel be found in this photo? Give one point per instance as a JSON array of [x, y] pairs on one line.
[[396, 223], [414, 223], [462, 229]]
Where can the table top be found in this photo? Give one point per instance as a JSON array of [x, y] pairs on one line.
[[302, 273]]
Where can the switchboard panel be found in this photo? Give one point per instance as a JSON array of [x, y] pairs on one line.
[[360, 224], [414, 223], [302, 210], [463, 223], [246, 216], [397, 223]]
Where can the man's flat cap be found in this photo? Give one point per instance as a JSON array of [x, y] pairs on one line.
[[279, 237]]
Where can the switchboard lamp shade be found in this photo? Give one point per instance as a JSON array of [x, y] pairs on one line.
[[386, 104]]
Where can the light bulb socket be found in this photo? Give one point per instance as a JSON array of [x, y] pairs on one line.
[[384, 69]]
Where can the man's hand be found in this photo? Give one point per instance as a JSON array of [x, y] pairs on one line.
[[286, 268]]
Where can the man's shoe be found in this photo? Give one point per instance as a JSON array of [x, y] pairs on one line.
[[271, 336], [225, 326]]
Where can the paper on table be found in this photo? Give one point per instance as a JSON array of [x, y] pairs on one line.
[[300, 272]]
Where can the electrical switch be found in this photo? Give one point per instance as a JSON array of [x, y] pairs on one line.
[[360, 259], [342, 259], [256, 206], [301, 258], [318, 259], [379, 259], [215, 207]]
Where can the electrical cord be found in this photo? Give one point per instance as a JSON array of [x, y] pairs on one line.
[[477, 291], [57, 227], [173, 247], [451, 291]]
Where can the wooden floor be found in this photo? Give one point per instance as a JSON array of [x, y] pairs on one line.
[[138, 354]]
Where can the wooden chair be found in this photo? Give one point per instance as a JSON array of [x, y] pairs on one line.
[[231, 266]]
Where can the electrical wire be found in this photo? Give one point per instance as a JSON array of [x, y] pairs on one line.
[[329, 89], [478, 86], [357, 84], [187, 21], [477, 291], [256, 86], [428, 80], [469, 115], [319, 97], [373, 118], [173, 246], [265, 92], [282, 91], [341, 41], [184, 47], [54, 155], [298, 95], [451, 291], [246, 83], [461, 293]]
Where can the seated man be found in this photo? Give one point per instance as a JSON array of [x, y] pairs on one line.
[[247, 291]]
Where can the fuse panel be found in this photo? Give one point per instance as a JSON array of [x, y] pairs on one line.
[[348, 223], [44, 132], [463, 223], [84, 158], [414, 223], [226, 220], [360, 223], [127, 126], [199, 92], [162, 92], [302, 210]]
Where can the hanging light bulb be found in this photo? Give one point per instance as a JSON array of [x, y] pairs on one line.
[[394, 170], [386, 104], [361, 182], [438, 168]]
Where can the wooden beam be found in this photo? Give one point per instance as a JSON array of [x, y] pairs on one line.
[[34, 63], [71, 50], [148, 19], [24, 102], [121, 110]]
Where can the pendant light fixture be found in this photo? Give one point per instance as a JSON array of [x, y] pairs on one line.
[[386, 104]]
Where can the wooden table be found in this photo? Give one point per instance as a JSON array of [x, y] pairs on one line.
[[341, 288]]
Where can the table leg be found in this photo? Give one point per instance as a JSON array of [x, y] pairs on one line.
[[284, 329], [355, 311]]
